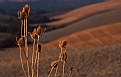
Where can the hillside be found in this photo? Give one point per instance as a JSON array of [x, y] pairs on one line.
[[98, 36], [96, 20], [85, 12]]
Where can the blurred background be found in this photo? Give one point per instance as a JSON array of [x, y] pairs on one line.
[[93, 28], [42, 12]]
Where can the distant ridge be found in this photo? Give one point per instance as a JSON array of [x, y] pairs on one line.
[[38, 5]]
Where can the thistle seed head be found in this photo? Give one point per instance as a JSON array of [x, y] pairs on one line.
[[20, 41], [39, 30], [63, 44], [34, 34], [54, 64], [26, 8], [22, 15]]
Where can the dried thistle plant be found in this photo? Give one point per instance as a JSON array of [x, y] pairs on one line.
[[23, 16], [37, 48], [20, 42], [63, 45], [62, 58]]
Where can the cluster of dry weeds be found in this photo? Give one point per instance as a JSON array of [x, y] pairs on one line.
[[32, 69]]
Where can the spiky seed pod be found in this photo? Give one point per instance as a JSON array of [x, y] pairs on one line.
[[64, 56], [26, 8], [22, 15], [34, 34], [71, 68], [39, 30], [39, 48], [54, 64], [63, 44], [20, 41]]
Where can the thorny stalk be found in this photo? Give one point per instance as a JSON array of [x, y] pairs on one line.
[[63, 68], [56, 71], [38, 64], [21, 28], [59, 62], [26, 46], [33, 58], [21, 59], [37, 57], [50, 72]]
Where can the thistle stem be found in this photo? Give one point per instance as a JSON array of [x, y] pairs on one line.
[[38, 64], [21, 59], [21, 28], [58, 61], [33, 58], [63, 68], [50, 72], [56, 71], [26, 46], [26, 28], [37, 57]]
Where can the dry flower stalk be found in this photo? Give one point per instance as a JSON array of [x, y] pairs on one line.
[[54, 65], [22, 61], [62, 58], [23, 18], [23, 42], [63, 55], [32, 67]]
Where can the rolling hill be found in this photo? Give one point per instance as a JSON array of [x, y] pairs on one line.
[[99, 36], [96, 20], [84, 12]]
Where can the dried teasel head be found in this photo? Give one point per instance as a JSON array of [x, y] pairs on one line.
[[26, 9], [20, 41], [34, 34], [54, 64], [71, 68], [39, 48], [64, 56], [21, 15], [39, 30], [63, 44]]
